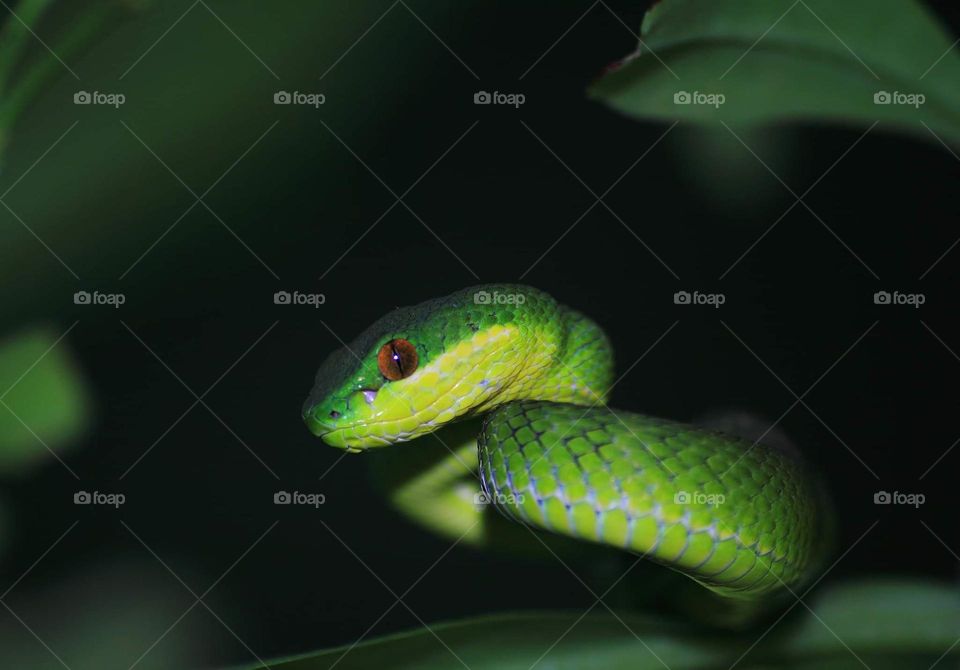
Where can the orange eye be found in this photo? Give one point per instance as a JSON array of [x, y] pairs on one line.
[[397, 359]]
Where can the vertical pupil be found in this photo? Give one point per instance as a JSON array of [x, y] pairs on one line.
[[397, 359]]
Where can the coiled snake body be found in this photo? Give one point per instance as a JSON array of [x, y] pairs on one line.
[[741, 518]]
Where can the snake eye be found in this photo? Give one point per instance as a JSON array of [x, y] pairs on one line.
[[397, 359]]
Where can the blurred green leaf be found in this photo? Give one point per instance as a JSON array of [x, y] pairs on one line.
[[43, 400], [110, 615], [18, 35], [893, 623], [879, 616], [508, 641], [198, 125], [786, 60]]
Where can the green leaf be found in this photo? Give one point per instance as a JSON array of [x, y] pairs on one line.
[[783, 60], [888, 623], [517, 641], [105, 615], [43, 401], [878, 616]]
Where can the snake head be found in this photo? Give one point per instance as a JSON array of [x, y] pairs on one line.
[[418, 368]]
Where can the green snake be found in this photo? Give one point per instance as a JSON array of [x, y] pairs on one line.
[[741, 518]]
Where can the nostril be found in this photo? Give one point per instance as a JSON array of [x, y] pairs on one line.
[[334, 414]]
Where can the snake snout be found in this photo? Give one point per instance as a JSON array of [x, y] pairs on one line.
[[317, 427]]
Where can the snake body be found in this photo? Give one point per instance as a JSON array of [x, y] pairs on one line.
[[741, 518]]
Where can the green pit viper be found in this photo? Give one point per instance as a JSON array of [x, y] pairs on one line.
[[743, 519]]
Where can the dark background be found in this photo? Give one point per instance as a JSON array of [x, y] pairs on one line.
[[498, 200]]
